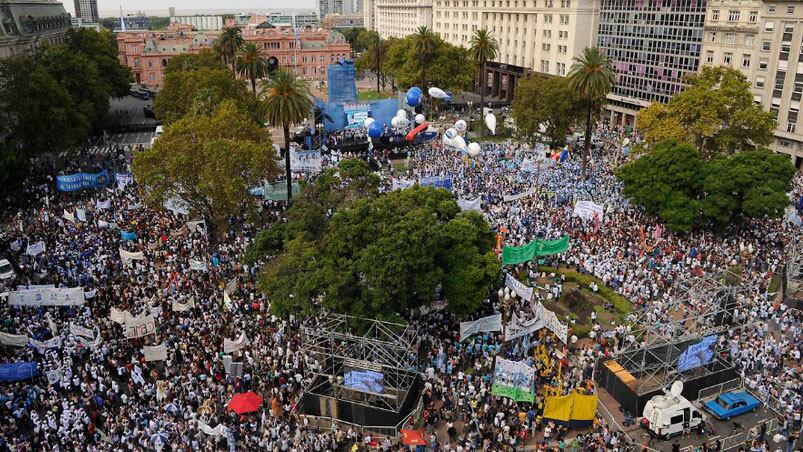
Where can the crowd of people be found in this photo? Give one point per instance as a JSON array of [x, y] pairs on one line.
[[107, 381]]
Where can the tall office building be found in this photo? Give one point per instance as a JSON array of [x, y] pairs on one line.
[[325, 7], [397, 18], [87, 10], [653, 44]]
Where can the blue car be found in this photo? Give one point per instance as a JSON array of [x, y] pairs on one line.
[[732, 404]]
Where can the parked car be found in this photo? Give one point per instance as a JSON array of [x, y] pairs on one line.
[[144, 94], [732, 404], [148, 110]]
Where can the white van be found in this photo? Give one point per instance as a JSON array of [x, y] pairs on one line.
[[666, 415]]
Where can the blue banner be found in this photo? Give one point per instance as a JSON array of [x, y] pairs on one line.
[[128, 236], [18, 371], [437, 182], [80, 181]]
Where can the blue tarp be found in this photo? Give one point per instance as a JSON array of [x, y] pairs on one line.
[[340, 82], [128, 235], [79, 181], [18, 371]]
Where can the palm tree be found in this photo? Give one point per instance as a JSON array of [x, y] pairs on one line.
[[252, 65], [483, 48], [285, 100], [228, 43], [377, 48], [592, 78], [424, 49]]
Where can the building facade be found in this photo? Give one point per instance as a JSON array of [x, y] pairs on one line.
[[199, 22], [27, 24], [653, 44], [397, 18], [308, 54], [336, 21], [87, 10]]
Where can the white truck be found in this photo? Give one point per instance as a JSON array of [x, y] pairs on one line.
[[667, 415]]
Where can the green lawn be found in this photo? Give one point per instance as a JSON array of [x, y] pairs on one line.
[[372, 95]]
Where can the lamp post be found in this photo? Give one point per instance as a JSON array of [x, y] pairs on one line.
[[470, 112], [319, 128]]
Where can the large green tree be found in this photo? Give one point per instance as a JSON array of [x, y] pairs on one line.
[[383, 255], [286, 100], [209, 161], [201, 90], [484, 48], [447, 68], [715, 112], [373, 57], [252, 65], [675, 183], [207, 58], [544, 108], [101, 48], [228, 44], [591, 76]]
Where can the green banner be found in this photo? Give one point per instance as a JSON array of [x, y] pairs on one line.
[[518, 254], [514, 393]]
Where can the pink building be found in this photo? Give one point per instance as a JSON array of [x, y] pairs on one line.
[[307, 52]]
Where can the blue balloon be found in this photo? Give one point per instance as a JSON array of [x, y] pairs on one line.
[[416, 90], [413, 96], [376, 129]]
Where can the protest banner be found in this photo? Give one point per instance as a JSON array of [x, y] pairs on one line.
[[216, 432], [139, 326], [13, 340], [517, 328], [18, 371], [155, 353], [178, 206], [483, 325], [68, 216], [437, 182], [80, 181], [524, 253], [519, 288], [81, 215], [401, 184], [514, 380], [42, 346], [93, 343], [47, 296], [227, 301], [118, 315], [509, 198], [470, 204], [51, 325], [587, 210], [34, 249], [77, 330], [128, 236], [123, 179], [230, 346], [179, 307], [305, 160], [127, 256], [552, 323], [198, 265], [53, 376], [197, 226], [103, 205]]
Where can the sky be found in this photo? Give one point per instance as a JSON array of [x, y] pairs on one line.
[[159, 7]]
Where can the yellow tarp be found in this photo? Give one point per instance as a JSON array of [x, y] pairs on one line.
[[614, 366], [572, 407], [626, 377]]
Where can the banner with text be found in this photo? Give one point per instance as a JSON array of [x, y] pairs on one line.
[[483, 325], [519, 288], [47, 296], [80, 181], [514, 380]]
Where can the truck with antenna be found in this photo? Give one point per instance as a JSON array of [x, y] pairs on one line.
[[669, 414]]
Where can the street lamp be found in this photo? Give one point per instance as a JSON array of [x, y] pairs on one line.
[[470, 112]]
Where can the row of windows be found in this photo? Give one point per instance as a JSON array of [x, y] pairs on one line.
[[727, 59], [654, 5], [503, 3], [669, 19], [735, 15]]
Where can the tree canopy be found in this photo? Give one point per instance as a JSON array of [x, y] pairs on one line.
[[447, 66], [208, 161], [545, 108], [715, 112], [349, 249], [675, 183], [198, 90]]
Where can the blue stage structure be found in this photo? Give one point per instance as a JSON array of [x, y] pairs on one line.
[[342, 115], [341, 84]]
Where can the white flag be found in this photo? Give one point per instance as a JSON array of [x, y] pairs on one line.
[[81, 215], [68, 216], [227, 301], [155, 353], [103, 205], [34, 249], [78, 330], [53, 376]]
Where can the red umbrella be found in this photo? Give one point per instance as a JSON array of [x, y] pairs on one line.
[[246, 402], [413, 438]]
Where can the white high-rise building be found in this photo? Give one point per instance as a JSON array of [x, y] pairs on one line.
[[397, 18]]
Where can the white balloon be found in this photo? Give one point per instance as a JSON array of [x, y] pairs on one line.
[[490, 121], [447, 142], [574, 339], [460, 144], [368, 121], [778, 438], [403, 122], [419, 118], [626, 141], [450, 133], [461, 125], [437, 93], [401, 113], [395, 122], [474, 149]]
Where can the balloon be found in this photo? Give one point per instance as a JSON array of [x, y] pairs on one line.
[[375, 130], [490, 121], [437, 93], [413, 96], [778, 438], [419, 119], [416, 90], [450, 133], [401, 113], [403, 122], [474, 149], [447, 142], [460, 144], [574, 339], [394, 122], [368, 121], [460, 125], [626, 141]]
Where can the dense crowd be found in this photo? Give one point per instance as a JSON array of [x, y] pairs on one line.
[[101, 391]]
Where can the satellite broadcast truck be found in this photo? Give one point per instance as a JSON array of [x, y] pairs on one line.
[[666, 415]]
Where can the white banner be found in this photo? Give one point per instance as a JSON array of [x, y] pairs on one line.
[[587, 210], [197, 225], [470, 204], [118, 315], [78, 330], [517, 286], [155, 353], [517, 328], [51, 325], [508, 198], [198, 265], [401, 184], [485, 324], [34, 249], [128, 256], [305, 161], [216, 432], [179, 307], [53, 376], [81, 215], [94, 343], [103, 205], [68, 216], [139, 326], [42, 346], [47, 296], [227, 301], [13, 340], [552, 323], [237, 344], [177, 206]]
